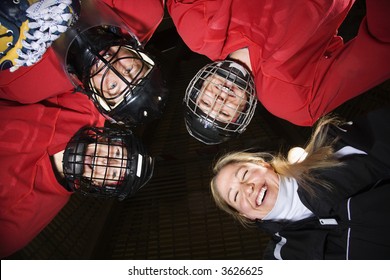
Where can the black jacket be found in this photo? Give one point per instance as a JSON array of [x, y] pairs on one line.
[[352, 220]]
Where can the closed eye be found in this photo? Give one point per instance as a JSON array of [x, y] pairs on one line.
[[235, 197], [244, 175], [225, 114], [205, 103]]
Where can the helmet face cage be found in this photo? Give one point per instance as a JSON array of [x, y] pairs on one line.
[[104, 59], [221, 96], [115, 74], [106, 162], [123, 81]]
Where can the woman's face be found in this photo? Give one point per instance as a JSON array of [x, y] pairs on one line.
[[105, 164], [251, 189], [221, 99], [108, 83]]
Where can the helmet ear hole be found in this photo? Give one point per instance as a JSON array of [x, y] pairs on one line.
[[74, 158], [219, 102]]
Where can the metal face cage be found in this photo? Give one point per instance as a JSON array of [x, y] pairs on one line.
[[221, 97], [106, 162], [120, 69]]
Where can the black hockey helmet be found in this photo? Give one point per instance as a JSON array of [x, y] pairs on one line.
[[106, 162], [106, 61], [209, 116]]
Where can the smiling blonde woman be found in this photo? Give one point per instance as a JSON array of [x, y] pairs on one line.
[[329, 204]]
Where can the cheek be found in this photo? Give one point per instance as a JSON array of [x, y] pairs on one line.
[[244, 207], [139, 65], [241, 107], [232, 104], [87, 171], [96, 80], [251, 214], [206, 98], [142, 71], [210, 91], [272, 199], [261, 175], [241, 94]]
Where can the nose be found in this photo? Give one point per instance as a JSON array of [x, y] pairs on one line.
[[123, 67], [249, 188], [223, 94], [101, 161], [120, 65], [100, 165]]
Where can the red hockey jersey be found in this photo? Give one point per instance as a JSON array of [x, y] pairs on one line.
[[302, 69], [30, 196]]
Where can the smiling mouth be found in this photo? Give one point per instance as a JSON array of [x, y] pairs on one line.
[[260, 197], [226, 90]]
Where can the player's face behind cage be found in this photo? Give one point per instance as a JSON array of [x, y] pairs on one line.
[[105, 60], [106, 162], [120, 77], [221, 99], [97, 167], [105, 165], [116, 72], [220, 102]]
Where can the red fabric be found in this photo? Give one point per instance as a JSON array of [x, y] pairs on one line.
[[302, 69], [47, 78], [30, 196]]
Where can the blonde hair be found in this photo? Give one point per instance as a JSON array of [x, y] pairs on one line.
[[320, 155]]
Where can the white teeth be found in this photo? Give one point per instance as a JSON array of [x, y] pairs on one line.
[[260, 197]]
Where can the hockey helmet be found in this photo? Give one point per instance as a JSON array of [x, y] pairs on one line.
[[106, 61], [106, 162], [219, 102]]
